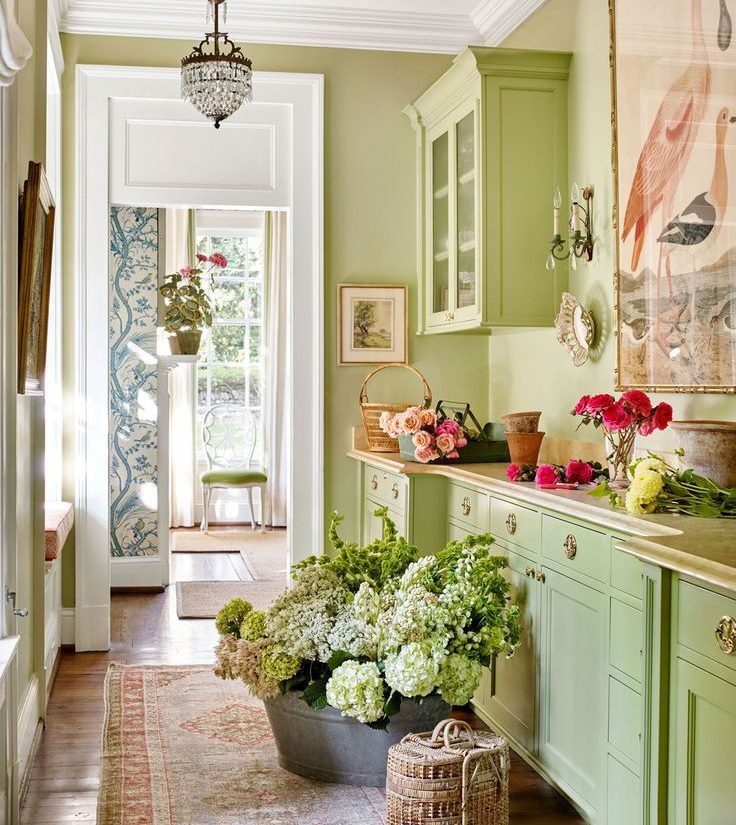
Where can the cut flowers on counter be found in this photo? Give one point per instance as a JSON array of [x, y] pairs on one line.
[[370, 626], [574, 472], [433, 440]]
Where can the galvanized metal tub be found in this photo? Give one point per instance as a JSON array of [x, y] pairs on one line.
[[324, 745]]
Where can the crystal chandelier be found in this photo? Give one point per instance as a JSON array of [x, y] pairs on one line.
[[218, 81]]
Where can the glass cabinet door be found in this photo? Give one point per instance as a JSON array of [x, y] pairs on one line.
[[465, 217], [439, 300]]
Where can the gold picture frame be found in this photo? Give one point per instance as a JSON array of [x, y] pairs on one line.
[[694, 348], [36, 242], [371, 324]]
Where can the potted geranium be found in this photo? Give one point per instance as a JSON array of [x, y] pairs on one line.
[[368, 645], [188, 306]]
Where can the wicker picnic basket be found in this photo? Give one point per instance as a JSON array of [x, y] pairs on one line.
[[378, 440], [451, 776]]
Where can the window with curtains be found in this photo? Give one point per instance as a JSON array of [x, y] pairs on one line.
[[230, 367]]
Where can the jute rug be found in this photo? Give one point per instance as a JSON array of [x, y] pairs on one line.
[[218, 540], [181, 747]]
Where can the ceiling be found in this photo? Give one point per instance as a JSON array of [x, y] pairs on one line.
[[398, 25]]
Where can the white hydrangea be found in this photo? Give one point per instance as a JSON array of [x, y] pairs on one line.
[[459, 679], [414, 670], [353, 635], [357, 690]]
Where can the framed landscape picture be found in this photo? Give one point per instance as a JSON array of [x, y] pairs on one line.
[[36, 241], [674, 98], [371, 324]]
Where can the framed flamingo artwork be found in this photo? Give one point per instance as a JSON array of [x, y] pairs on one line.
[[673, 69]]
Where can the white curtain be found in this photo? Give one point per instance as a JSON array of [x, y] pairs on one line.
[[275, 264], [182, 387], [14, 47]]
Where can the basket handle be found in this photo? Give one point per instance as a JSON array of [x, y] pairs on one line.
[[450, 730], [425, 386]]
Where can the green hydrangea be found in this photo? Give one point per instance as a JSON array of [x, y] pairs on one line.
[[277, 664], [459, 679], [231, 616], [357, 690], [414, 670], [253, 626]]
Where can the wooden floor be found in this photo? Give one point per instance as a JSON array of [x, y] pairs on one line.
[[145, 629]]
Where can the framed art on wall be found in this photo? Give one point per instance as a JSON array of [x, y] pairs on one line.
[[36, 241], [674, 133], [371, 324]]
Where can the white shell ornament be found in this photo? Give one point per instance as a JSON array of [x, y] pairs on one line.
[[575, 329]]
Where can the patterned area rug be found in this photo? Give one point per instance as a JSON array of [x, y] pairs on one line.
[[181, 747]]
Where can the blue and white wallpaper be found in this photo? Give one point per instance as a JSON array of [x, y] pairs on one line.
[[133, 382]]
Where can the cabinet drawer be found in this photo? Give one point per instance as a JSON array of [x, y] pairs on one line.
[[627, 572], [388, 488], [468, 507], [626, 639], [373, 525], [624, 719], [515, 523], [575, 547], [700, 614]]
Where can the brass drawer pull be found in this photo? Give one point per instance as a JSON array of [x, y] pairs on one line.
[[726, 634], [541, 577], [395, 490], [374, 483], [570, 546], [465, 506], [511, 524], [530, 572]]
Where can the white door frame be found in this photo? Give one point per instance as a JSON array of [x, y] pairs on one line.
[[96, 87]]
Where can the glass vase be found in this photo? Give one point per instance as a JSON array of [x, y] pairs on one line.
[[619, 453]]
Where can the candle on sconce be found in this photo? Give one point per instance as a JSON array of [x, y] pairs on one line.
[[574, 198], [557, 204]]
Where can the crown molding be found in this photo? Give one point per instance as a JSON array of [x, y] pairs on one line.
[[497, 19], [262, 21]]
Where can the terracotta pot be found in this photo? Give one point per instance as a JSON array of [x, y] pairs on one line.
[[524, 447], [522, 422], [710, 448], [189, 340]]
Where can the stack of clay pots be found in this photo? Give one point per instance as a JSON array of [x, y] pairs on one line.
[[523, 436]]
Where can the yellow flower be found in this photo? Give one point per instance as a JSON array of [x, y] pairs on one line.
[[652, 463], [641, 497]]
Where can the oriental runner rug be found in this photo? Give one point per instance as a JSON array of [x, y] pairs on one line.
[[182, 747]]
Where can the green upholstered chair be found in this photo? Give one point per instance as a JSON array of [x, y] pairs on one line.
[[229, 433]]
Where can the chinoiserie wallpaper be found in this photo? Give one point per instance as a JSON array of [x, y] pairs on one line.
[[133, 382]]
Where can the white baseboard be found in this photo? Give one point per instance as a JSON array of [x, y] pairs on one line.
[[135, 572], [92, 627], [67, 625], [28, 722]]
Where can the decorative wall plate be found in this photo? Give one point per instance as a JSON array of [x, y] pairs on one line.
[[575, 328]]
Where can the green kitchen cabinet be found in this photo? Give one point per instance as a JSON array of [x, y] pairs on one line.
[[573, 690], [491, 147], [702, 748]]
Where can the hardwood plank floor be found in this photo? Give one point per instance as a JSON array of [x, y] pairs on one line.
[[146, 630]]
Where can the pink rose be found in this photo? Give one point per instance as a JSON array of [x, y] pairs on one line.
[[546, 474], [453, 454], [410, 422], [422, 439], [637, 402], [616, 418], [513, 472], [461, 442], [186, 271], [662, 416], [218, 259], [428, 418], [598, 403], [445, 443], [646, 427], [449, 426], [201, 257], [582, 405], [579, 471], [426, 455]]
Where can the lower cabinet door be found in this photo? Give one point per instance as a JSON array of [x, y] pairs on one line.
[[512, 687], [704, 748], [573, 702]]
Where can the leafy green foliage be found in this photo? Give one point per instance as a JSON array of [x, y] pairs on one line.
[[187, 305], [315, 694], [337, 658]]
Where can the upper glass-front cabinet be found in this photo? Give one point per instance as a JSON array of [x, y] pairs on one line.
[[492, 141]]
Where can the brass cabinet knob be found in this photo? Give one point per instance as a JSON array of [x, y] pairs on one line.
[[570, 546], [541, 577], [374, 483], [465, 506], [530, 572], [449, 316], [726, 634], [511, 524], [395, 490]]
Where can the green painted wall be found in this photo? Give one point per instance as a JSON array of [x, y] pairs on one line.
[[530, 370], [370, 223]]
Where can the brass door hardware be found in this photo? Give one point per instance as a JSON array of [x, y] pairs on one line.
[[541, 577], [726, 634], [570, 546], [465, 506], [511, 524], [374, 483], [395, 490]]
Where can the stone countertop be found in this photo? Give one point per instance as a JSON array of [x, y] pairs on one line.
[[702, 548]]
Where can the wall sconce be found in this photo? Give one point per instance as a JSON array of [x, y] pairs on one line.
[[581, 243]]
